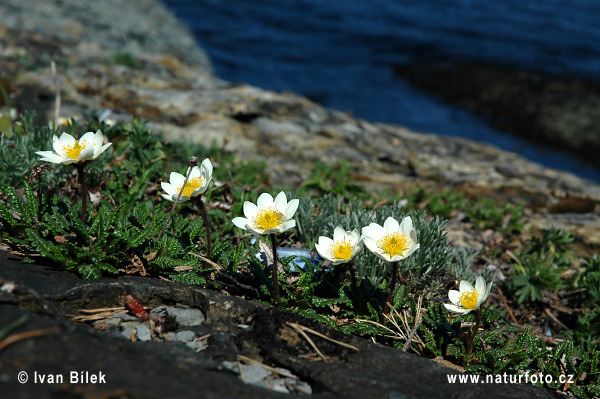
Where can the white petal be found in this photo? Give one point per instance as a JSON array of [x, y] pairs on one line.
[[355, 236], [356, 250], [207, 168], [325, 242], [56, 144], [391, 225], [167, 187], [465, 286], [489, 288], [292, 206], [480, 285], [454, 296], [250, 210], [383, 256], [101, 150], [406, 227], [241, 222], [168, 197], [176, 179], [195, 172], [413, 235], [395, 258], [87, 153], [50, 156], [91, 139], [323, 247], [281, 201], [371, 244], [483, 294], [412, 248], [65, 140], [373, 231], [456, 309], [286, 226], [265, 201], [339, 234]]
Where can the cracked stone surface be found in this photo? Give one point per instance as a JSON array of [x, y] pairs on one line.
[[165, 369]]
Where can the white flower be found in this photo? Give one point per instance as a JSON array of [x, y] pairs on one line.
[[197, 184], [393, 241], [468, 298], [343, 248], [268, 216], [67, 150]]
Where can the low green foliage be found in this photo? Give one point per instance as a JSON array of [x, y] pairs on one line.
[[540, 265], [334, 179], [126, 59]]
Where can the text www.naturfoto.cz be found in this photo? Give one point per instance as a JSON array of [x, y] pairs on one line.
[[508, 378]]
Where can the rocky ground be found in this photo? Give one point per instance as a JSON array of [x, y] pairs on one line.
[[209, 346], [557, 111], [138, 61]]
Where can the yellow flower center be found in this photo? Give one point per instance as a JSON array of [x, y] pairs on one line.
[[190, 186], [73, 151], [341, 250], [393, 244], [469, 299], [267, 219]]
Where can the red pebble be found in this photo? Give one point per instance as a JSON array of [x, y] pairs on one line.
[[136, 308]]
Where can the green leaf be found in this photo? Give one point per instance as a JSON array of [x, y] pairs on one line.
[[190, 277], [44, 247], [7, 215], [32, 202], [478, 369], [89, 272]]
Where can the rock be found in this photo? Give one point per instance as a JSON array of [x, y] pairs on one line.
[[558, 111], [186, 316], [184, 336], [159, 368], [146, 27], [196, 346], [142, 332], [254, 374]]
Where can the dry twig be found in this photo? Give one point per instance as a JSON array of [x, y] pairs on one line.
[[26, 335]]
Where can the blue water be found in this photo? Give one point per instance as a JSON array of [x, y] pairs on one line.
[[341, 53]]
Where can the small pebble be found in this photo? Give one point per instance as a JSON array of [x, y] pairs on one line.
[[7, 287], [125, 317], [186, 316], [254, 374], [127, 333], [143, 333], [196, 345], [185, 336]]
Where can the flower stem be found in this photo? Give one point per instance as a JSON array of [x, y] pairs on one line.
[[360, 300], [206, 226], [193, 162], [475, 330], [83, 189], [276, 296], [390, 300]]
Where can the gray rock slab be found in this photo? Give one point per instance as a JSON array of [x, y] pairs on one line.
[[161, 370], [254, 374], [186, 316], [143, 333]]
